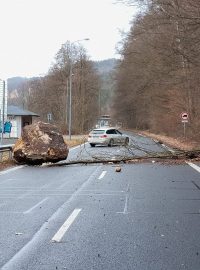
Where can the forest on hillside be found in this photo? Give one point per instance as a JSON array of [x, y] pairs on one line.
[[158, 77], [92, 90]]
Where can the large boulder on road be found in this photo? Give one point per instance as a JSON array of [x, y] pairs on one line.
[[40, 142]]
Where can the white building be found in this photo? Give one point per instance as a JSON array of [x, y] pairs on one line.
[[19, 118]]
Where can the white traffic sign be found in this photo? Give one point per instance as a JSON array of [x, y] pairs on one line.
[[184, 120], [184, 116]]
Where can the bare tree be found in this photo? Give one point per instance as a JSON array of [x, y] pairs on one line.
[[50, 93], [158, 77]]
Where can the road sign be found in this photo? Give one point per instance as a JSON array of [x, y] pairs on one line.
[[49, 117], [184, 116], [184, 119]]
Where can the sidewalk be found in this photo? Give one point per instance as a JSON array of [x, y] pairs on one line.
[[8, 141]]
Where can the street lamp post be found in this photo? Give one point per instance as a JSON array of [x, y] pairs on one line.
[[70, 87], [70, 99]]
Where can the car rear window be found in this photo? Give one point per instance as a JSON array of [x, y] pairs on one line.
[[98, 132], [111, 131]]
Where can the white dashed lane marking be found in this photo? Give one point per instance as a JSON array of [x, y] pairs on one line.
[[63, 229], [102, 175]]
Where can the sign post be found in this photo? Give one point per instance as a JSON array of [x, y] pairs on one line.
[[184, 119]]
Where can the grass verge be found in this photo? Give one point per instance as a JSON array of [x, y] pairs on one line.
[[74, 142], [179, 143]]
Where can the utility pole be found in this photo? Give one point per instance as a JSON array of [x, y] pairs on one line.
[[70, 99], [67, 105], [99, 102], [3, 111]]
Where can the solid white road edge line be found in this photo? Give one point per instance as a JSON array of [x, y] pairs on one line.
[[168, 148], [102, 175], [197, 168], [63, 229], [32, 243], [12, 169], [35, 206]]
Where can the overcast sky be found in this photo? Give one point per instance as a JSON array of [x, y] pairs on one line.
[[32, 31]]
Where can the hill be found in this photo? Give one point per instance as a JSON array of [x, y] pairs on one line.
[[105, 69], [15, 83], [105, 66]]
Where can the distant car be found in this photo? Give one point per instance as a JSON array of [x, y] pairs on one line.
[[107, 136]]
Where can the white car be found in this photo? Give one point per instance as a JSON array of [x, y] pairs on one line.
[[107, 136]]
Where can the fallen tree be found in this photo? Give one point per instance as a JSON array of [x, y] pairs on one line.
[[180, 155], [134, 152]]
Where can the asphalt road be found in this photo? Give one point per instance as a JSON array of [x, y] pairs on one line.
[[90, 217], [139, 146]]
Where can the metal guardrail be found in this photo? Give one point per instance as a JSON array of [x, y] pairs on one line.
[[6, 148]]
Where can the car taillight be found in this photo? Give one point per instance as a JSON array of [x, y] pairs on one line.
[[103, 136]]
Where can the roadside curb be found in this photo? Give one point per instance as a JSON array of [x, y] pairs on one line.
[[164, 146]]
